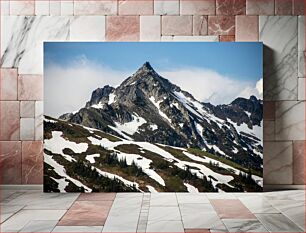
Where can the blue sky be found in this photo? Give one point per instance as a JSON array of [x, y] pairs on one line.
[[236, 60], [212, 72]]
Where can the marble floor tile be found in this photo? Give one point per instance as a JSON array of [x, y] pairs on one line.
[[39, 226], [23, 217], [164, 213], [278, 223], [165, 226], [237, 225], [220, 196], [188, 209], [96, 197], [8, 210], [297, 195], [75, 229], [163, 199], [192, 198], [258, 205], [208, 220]]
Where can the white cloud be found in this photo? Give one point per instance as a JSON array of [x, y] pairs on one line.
[[68, 88]]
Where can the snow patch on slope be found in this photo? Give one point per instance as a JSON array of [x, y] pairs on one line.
[[132, 126], [156, 104]]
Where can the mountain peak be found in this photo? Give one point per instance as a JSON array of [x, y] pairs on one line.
[[146, 67]]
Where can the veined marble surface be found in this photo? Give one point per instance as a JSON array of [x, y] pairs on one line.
[[301, 46], [22, 40], [279, 35]]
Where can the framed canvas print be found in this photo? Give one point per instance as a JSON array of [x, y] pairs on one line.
[[153, 117]]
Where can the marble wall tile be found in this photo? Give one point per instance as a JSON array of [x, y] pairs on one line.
[[10, 162], [299, 162], [301, 88], [42, 7], [190, 38], [22, 40], [8, 87], [66, 7], [203, 7], [32, 162], [30, 87], [107, 7], [246, 28], [279, 35], [55, 7], [39, 119], [5, 7], [27, 108], [150, 28], [27, 131], [87, 28], [301, 46], [230, 7], [225, 38], [290, 120], [200, 25], [122, 28], [269, 130], [269, 110], [283, 7], [260, 7], [135, 7], [166, 7], [176, 25], [278, 163], [298, 7], [9, 120], [221, 25], [22, 7]]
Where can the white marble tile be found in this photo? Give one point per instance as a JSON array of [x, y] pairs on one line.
[[87, 28], [22, 40], [241, 225], [20, 219], [188, 198], [301, 88], [39, 226], [279, 35], [27, 131], [8, 210], [258, 205], [66, 7], [150, 28], [166, 7], [42, 7], [39, 119], [5, 7], [190, 38], [55, 7], [290, 120], [165, 226], [269, 130], [220, 196], [27, 108], [75, 229], [301, 46], [106, 7], [277, 223], [164, 213], [293, 195], [278, 163], [163, 199], [22, 7]]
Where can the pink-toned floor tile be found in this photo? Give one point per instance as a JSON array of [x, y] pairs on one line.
[[221, 25], [226, 38], [269, 110], [98, 7], [97, 197], [195, 230], [122, 28], [30, 87], [196, 7], [298, 7], [135, 7], [230, 7], [22, 7], [246, 28], [86, 213], [9, 120], [10, 162], [283, 7], [177, 25], [32, 162], [231, 209], [8, 84], [260, 7], [200, 25], [299, 162]]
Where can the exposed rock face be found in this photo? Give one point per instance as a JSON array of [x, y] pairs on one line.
[[147, 107]]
